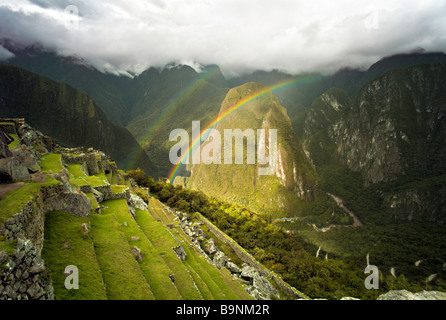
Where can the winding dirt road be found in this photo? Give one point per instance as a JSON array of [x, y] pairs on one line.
[[340, 202]]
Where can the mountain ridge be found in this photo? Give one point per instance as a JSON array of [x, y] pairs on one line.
[[50, 106], [287, 182]]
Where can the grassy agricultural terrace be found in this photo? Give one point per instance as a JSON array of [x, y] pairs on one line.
[[103, 253]]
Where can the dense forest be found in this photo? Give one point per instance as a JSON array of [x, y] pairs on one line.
[[289, 254]]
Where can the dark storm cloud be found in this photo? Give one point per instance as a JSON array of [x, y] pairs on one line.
[[238, 35]]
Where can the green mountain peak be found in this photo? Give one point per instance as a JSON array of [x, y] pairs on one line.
[[293, 179]]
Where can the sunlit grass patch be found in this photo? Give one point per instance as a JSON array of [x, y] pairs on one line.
[[65, 244], [121, 273], [51, 163]]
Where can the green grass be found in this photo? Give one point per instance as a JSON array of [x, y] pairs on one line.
[[153, 266], [121, 273], [94, 203], [78, 182], [101, 175], [205, 284], [15, 200], [64, 245], [51, 163], [164, 242], [113, 178], [76, 171], [15, 143], [118, 189], [212, 283]]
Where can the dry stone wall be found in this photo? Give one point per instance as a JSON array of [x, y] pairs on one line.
[[251, 261], [23, 274]]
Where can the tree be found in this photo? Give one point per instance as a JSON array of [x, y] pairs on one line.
[[165, 195], [183, 205]]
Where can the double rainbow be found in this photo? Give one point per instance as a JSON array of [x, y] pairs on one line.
[[168, 110], [174, 171]]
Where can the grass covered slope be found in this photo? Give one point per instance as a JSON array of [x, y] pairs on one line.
[[153, 265], [211, 282], [102, 246], [66, 244], [122, 276]]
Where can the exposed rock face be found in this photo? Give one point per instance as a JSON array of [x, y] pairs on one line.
[[394, 127], [69, 116], [36, 141], [27, 158], [393, 131], [12, 169], [181, 254], [17, 164], [420, 204], [248, 272], [261, 288], [233, 267], [5, 140], [210, 247], [136, 202], [220, 259], [406, 295], [75, 203], [137, 253]]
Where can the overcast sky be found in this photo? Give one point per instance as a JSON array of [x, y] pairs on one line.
[[238, 35]]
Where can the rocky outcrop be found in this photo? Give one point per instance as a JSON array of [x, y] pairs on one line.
[[25, 156], [136, 202], [137, 253], [419, 203], [394, 127], [77, 204], [392, 132], [13, 170], [220, 259], [5, 140], [35, 140], [407, 295], [179, 251], [209, 247], [18, 163]]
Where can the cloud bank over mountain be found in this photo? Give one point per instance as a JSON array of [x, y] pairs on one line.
[[238, 35]]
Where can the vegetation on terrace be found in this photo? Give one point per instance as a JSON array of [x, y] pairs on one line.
[[103, 255]]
